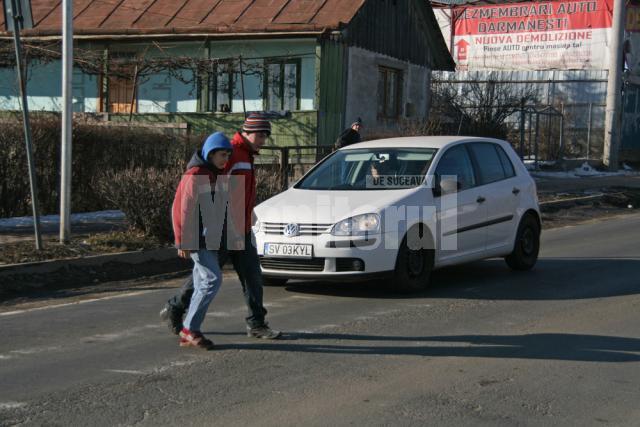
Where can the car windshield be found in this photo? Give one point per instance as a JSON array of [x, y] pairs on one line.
[[370, 169]]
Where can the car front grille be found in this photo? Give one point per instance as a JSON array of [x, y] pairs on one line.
[[305, 229], [292, 264]]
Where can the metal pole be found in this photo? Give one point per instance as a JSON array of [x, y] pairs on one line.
[[550, 146], [535, 147], [452, 30], [17, 26], [133, 93], [589, 132], [614, 88], [244, 105], [67, 120], [284, 168], [529, 151], [561, 133], [522, 119]]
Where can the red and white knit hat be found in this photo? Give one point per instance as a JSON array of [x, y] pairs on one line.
[[257, 122]]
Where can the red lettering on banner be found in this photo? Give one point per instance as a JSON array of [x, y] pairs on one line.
[[534, 17]]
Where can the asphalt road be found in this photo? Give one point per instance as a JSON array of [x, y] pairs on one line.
[[485, 346]]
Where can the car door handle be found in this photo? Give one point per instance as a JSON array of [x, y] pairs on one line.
[[515, 190], [480, 199]]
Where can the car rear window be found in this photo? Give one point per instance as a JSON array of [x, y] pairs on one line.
[[489, 163], [509, 171]]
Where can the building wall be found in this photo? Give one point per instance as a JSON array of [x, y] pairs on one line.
[[299, 129], [162, 93], [44, 88], [254, 52], [332, 82], [362, 90]]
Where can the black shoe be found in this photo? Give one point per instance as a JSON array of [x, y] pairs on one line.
[[264, 332], [173, 317]]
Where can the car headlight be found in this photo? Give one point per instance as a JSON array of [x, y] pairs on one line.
[[357, 225], [257, 227]]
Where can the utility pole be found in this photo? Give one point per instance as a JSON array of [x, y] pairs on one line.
[[67, 120], [613, 118], [18, 23]]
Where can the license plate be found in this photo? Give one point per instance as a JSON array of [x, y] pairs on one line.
[[288, 250]]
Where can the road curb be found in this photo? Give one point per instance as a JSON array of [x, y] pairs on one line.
[[570, 201], [89, 270]]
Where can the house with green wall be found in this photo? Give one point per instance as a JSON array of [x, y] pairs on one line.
[[316, 64]]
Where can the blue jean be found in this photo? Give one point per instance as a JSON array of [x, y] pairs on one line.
[[207, 278], [247, 264]]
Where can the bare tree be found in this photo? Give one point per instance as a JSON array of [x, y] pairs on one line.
[[479, 108]]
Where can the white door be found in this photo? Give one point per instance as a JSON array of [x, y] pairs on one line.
[[461, 213], [500, 184]]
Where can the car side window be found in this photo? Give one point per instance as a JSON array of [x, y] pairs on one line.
[[509, 171], [488, 162], [456, 161]]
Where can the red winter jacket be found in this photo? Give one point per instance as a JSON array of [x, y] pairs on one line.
[[241, 164], [198, 182]]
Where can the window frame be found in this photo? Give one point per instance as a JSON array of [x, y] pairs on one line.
[[474, 168], [478, 167], [385, 71], [209, 90], [504, 155], [265, 84]]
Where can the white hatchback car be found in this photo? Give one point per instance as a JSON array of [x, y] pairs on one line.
[[401, 207]]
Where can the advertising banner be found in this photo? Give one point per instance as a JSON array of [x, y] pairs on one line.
[[556, 35]]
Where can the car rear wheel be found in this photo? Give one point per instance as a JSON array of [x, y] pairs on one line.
[[414, 263], [272, 281], [525, 251]]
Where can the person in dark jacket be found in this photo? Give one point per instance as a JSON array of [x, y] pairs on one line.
[[246, 144], [350, 135], [198, 224]]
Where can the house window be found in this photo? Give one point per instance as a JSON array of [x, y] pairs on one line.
[[389, 92], [282, 85], [119, 86], [218, 93]]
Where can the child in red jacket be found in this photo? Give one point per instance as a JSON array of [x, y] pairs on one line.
[[198, 223]]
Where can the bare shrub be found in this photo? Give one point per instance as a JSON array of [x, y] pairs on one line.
[[145, 195]]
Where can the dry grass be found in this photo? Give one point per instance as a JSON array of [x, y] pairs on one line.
[[80, 246]]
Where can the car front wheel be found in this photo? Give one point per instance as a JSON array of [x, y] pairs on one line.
[[413, 265], [525, 251]]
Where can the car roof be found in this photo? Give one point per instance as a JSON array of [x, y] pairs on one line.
[[417, 142]]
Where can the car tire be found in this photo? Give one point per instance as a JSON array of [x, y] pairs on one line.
[[527, 245], [272, 281], [413, 266]]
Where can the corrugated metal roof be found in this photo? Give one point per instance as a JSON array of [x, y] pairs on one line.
[[103, 17]]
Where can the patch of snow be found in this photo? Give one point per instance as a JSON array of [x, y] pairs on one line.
[[583, 171], [558, 175], [79, 218], [586, 170], [530, 163]]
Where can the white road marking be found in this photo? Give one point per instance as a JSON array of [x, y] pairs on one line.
[[274, 305], [12, 354], [219, 314], [86, 301], [125, 371], [122, 334], [12, 405], [35, 350]]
